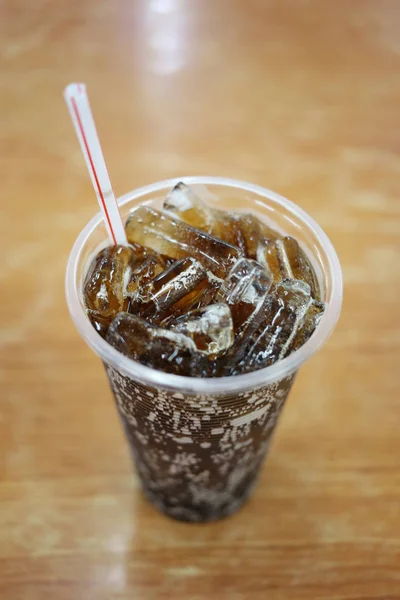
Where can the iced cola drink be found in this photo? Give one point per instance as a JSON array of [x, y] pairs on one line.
[[211, 298]]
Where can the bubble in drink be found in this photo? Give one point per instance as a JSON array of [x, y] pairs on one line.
[[244, 231], [154, 346], [172, 237], [175, 290], [285, 259], [211, 328]]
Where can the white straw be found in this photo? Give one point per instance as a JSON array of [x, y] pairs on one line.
[[82, 118]]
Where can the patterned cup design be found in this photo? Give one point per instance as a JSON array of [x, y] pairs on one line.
[[198, 456]]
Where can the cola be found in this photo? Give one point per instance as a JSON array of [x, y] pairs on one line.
[[223, 289], [207, 294]]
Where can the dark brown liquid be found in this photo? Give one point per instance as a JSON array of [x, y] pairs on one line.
[[202, 292]]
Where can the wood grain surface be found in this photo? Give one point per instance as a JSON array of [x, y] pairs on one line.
[[302, 96]]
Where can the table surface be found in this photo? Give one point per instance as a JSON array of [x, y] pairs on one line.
[[300, 96]]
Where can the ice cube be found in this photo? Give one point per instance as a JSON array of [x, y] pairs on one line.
[[143, 272], [311, 321], [172, 237], [141, 252], [210, 327], [251, 233], [285, 259], [154, 346], [100, 324], [244, 290], [172, 292], [104, 289], [242, 230], [284, 315], [210, 292], [183, 202]]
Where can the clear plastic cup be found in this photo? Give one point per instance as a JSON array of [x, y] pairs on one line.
[[198, 444]]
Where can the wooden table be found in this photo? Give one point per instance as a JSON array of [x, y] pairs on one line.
[[300, 96]]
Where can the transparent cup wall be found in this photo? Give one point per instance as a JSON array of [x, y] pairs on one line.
[[198, 444]]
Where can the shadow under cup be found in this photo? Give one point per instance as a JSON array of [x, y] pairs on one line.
[[198, 444]]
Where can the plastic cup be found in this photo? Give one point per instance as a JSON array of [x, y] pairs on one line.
[[198, 444]]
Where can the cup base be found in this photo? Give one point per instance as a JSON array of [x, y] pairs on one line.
[[200, 513]]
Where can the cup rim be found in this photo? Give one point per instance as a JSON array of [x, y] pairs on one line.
[[179, 383]]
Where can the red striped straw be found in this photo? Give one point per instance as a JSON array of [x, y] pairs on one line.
[[82, 118]]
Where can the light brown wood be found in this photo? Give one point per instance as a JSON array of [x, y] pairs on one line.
[[300, 96]]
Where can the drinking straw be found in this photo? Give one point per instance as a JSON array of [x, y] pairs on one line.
[[82, 118]]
